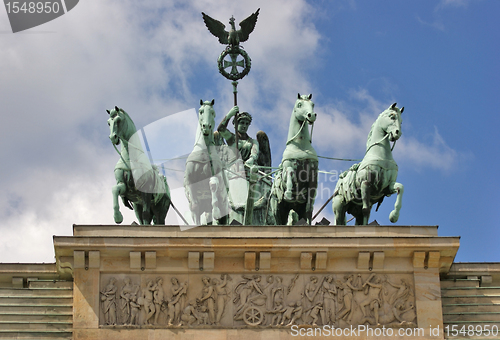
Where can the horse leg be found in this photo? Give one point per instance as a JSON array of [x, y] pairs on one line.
[[365, 198], [312, 187], [138, 213], [399, 189], [160, 210], [289, 171], [118, 190], [146, 208], [214, 184], [338, 210]]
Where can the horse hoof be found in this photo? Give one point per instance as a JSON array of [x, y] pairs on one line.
[[118, 217], [393, 216]]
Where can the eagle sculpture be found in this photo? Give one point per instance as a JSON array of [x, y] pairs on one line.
[[233, 37]]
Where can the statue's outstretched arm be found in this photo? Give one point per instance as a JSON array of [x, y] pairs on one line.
[[222, 128]]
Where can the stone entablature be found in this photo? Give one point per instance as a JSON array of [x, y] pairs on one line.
[[256, 300], [227, 275]]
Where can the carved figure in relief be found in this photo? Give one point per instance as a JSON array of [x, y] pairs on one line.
[[178, 298], [170, 305], [374, 300], [314, 311], [222, 296], [108, 298], [134, 310], [278, 292], [297, 312], [311, 290], [250, 285], [399, 309], [347, 288], [125, 297], [149, 305], [404, 290], [170, 312], [203, 316], [208, 296], [158, 298], [329, 295], [287, 313], [189, 315], [277, 311]]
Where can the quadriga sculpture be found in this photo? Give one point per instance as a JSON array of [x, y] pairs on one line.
[[375, 177], [204, 182], [295, 185], [138, 182]]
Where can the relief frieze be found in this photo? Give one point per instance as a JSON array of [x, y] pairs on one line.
[[256, 300]]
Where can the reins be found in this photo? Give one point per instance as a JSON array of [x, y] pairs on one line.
[[300, 130]]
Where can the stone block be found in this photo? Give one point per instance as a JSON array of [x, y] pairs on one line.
[[208, 260], [418, 259], [135, 260], [306, 260], [433, 261], [94, 259], [321, 260], [363, 260], [194, 260], [79, 259], [378, 260], [486, 279], [17, 282], [265, 260], [150, 260], [250, 258]]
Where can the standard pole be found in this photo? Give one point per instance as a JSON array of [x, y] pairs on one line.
[[235, 93]]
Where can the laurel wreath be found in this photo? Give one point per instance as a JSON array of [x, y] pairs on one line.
[[246, 58]]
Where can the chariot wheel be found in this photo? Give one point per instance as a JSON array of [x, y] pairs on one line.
[[253, 316]]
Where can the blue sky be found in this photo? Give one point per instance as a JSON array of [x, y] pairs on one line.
[[155, 59]]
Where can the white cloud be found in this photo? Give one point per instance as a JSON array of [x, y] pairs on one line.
[[452, 3], [436, 24], [144, 57], [342, 129], [147, 57], [434, 153]]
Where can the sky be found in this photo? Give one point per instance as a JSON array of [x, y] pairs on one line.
[[156, 60]]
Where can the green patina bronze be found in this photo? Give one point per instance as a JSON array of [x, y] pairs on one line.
[[375, 177], [295, 184], [228, 175], [248, 193], [204, 181], [232, 39], [138, 182]]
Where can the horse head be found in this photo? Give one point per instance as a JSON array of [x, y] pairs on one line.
[[304, 109], [121, 126], [206, 118], [392, 119]]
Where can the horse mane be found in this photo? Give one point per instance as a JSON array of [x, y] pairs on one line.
[[131, 129], [383, 113]]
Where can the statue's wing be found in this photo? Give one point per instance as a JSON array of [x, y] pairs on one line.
[[217, 28], [264, 150], [247, 26]]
